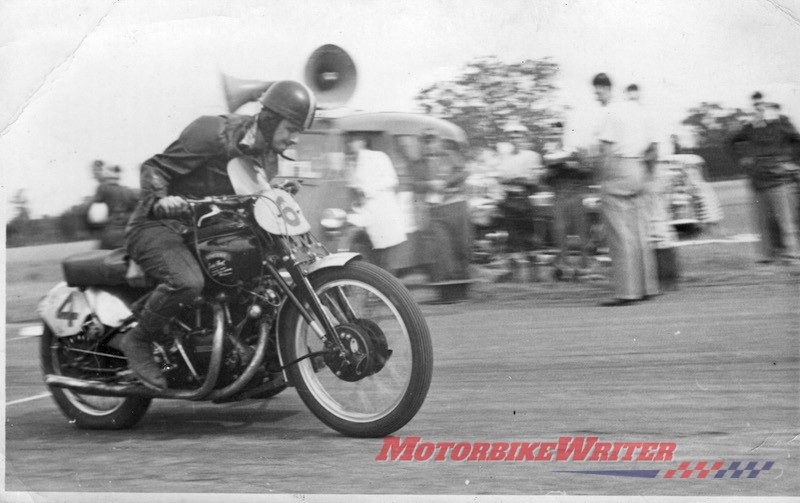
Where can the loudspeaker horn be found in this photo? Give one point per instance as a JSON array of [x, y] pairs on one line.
[[241, 91], [331, 73]]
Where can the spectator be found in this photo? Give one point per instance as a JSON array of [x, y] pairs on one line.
[[623, 141], [520, 171], [661, 236], [111, 206], [442, 185], [374, 181], [766, 150], [569, 180]]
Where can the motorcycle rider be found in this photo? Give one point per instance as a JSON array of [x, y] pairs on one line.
[[194, 166]]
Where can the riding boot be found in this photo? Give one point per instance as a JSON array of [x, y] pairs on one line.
[[136, 345]]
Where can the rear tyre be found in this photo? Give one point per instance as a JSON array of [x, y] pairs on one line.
[[383, 382], [85, 411]]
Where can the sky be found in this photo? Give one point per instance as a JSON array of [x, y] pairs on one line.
[[118, 79]]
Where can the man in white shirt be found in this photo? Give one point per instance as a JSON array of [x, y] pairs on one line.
[[623, 140], [374, 181], [520, 172], [521, 163], [661, 236]]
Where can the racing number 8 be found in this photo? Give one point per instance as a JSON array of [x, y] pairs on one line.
[[65, 312], [289, 215]]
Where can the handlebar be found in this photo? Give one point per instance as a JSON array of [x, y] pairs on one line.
[[215, 202], [219, 200]]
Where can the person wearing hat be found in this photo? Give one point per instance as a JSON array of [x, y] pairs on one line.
[[767, 151], [195, 166], [520, 171]]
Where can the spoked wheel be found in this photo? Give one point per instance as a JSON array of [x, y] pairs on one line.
[[377, 383], [76, 356]]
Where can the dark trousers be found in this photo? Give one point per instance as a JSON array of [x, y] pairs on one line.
[[777, 221], [164, 256], [453, 217], [570, 217]]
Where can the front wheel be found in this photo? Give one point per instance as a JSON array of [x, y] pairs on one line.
[[379, 382], [77, 356]]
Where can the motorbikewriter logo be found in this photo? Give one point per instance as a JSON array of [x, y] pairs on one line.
[[572, 449]]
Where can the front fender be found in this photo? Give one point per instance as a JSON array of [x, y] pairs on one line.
[[332, 260]]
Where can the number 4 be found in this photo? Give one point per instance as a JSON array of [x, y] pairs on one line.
[[65, 311]]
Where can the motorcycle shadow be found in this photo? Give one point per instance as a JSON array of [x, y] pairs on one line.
[[190, 421], [174, 421]]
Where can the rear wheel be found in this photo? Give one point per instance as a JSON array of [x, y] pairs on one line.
[[379, 382], [75, 356]]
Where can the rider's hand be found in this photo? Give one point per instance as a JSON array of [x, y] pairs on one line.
[[290, 186], [170, 207]]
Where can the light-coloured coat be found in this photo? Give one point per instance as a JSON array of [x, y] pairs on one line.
[[382, 216]]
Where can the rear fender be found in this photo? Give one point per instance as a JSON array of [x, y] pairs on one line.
[[65, 308], [109, 308]]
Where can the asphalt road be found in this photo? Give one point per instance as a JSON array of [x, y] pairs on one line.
[[713, 368]]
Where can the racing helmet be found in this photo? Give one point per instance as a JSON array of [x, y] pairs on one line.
[[291, 100]]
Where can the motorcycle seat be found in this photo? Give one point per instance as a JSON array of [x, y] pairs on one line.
[[96, 268]]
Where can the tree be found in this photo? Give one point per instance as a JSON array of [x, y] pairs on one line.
[[20, 224], [488, 93], [713, 124]]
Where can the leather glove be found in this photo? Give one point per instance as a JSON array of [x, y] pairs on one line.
[[170, 207]]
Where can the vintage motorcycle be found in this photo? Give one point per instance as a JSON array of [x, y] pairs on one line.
[[278, 310]]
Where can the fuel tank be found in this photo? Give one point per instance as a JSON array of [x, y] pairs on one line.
[[229, 252]]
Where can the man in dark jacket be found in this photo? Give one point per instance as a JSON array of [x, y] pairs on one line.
[[117, 200], [441, 184], [766, 149], [194, 166], [570, 180]]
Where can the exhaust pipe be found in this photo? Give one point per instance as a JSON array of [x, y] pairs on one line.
[[104, 389]]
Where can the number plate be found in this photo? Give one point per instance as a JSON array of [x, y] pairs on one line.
[[277, 212], [64, 309]]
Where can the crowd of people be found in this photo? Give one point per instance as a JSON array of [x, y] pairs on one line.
[[635, 197]]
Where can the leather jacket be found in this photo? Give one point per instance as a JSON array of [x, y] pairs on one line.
[[195, 165]]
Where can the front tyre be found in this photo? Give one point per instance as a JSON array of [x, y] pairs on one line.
[[380, 382], [71, 356]]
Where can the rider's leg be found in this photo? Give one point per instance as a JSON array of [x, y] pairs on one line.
[[162, 253]]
